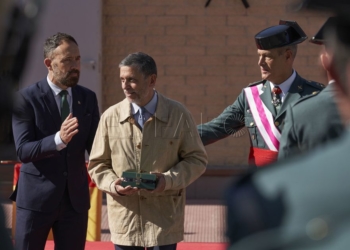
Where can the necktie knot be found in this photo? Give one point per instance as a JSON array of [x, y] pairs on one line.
[[63, 93], [276, 90], [142, 110]]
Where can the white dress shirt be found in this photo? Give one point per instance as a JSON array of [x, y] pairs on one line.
[[285, 86]]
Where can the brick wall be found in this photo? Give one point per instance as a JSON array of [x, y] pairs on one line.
[[205, 56]]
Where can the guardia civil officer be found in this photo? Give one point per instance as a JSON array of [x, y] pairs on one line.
[[314, 119], [262, 105], [300, 203]]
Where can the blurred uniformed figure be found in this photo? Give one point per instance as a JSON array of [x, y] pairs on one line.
[[261, 106], [19, 26], [301, 203], [5, 240], [314, 119]]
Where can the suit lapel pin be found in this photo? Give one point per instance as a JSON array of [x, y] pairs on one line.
[[300, 87], [79, 102]]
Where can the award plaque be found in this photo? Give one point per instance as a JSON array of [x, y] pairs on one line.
[[139, 180]]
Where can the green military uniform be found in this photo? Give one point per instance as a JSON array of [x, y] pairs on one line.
[[301, 204], [268, 109], [238, 115], [313, 120]]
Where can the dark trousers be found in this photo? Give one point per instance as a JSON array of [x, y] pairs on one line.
[[68, 228], [165, 247]]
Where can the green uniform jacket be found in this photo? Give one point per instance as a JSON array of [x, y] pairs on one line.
[[311, 121], [238, 115], [296, 204]]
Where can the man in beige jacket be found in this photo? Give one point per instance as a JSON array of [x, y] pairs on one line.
[[146, 133]]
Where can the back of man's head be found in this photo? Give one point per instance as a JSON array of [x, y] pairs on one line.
[[339, 44]]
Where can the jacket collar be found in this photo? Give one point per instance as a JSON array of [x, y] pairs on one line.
[[285, 86], [293, 94], [57, 89], [49, 100], [330, 87], [162, 110]]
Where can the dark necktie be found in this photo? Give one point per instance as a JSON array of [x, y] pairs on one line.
[[142, 116], [276, 99], [64, 105]]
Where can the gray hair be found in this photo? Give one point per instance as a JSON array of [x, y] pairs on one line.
[[293, 48], [54, 41], [143, 62]]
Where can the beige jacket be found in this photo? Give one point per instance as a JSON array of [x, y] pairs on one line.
[[169, 144]]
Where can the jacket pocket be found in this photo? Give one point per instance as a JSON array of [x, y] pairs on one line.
[[166, 212], [253, 130], [121, 214], [30, 170]]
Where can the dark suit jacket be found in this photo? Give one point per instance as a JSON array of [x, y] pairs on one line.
[[238, 115], [310, 122], [45, 171], [300, 203]]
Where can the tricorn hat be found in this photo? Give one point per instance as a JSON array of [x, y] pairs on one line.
[[284, 34], [341, 24], [319, 38]]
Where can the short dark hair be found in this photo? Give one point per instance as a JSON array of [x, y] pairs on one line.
[[54, 41], [142, 62]]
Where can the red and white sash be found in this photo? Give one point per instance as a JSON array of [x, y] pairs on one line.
[[263, 118]]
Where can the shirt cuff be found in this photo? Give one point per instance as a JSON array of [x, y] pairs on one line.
[[59, 143]]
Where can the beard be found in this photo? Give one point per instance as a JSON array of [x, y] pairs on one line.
[[68, 80]]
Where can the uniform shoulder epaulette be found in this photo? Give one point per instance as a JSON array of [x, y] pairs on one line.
[[313, 94], [316, 85], [256, 83]]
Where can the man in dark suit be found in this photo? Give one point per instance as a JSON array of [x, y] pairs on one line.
[[5, 240], [314, 119], [261, 106], [54, 123], [301, 203]]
